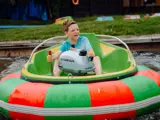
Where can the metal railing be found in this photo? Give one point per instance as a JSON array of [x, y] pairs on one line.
[[35, 49]]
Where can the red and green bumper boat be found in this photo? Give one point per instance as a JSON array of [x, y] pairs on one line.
[[124, 90]]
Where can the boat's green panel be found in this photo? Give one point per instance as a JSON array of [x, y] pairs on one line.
[[32, 68], [115, 61], [4, 96], [141, 67], [40, 65], [143, 88], [68, 96]]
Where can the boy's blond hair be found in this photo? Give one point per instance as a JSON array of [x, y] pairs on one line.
[[67, 23]]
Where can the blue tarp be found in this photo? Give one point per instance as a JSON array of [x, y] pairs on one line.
[[105, 18], [31, 11], [19, 26]]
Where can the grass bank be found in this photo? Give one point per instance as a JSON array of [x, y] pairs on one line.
[[117, 27]]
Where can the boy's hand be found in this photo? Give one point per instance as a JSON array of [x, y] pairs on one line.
[[72, 48]]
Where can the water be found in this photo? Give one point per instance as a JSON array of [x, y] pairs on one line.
[[149, 59], [10, 65], [4, 62]]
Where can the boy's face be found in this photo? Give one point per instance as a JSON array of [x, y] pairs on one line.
[[73, 32]]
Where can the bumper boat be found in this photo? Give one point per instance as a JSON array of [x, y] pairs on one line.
[[124, 90]]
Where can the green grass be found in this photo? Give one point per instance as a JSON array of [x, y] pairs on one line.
[[89, 24]]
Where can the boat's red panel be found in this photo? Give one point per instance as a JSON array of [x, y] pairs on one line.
[[29, 94], [111, 93]]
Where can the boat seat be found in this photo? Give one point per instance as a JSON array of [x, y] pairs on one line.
[[40, 64], [115, 61]]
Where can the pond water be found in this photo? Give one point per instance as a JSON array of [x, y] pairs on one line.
[[149, 59], [10, 65], [4, 63]]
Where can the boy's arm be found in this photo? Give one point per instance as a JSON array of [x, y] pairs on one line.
[[91, 52], [89, 47], [56, 55]]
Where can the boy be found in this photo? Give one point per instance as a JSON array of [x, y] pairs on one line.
[[71, 30]]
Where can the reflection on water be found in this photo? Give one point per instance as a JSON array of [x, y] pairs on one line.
[[149, 59]]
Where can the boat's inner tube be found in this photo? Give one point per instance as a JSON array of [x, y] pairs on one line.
[[76, 62]]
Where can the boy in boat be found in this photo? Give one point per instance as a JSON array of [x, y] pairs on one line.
[[74, 41]]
